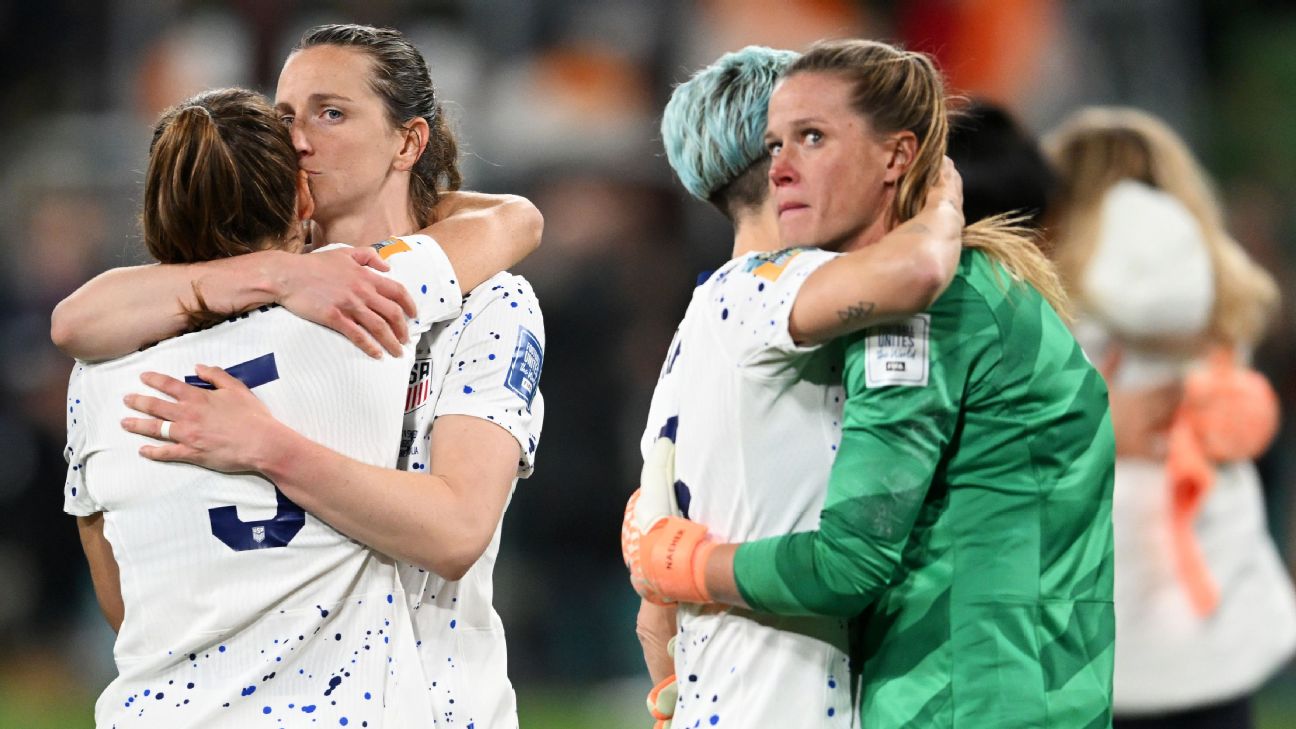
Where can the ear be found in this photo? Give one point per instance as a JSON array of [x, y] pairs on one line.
[[414, 139], [305, 201], [906, 149]]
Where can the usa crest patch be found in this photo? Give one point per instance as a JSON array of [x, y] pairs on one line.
[[420, 385]]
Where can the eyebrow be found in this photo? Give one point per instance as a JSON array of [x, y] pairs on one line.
[[806, 120], [796, 123], [316, 99]]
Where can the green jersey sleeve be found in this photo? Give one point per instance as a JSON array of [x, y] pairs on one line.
[[904, 384]]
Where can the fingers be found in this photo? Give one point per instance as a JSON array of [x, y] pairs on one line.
[[381, 330], [356, 334], [149, 428], [394, 291], [393, 303], [367, 256], [153, 407], [174, 452], [219, 378], [167, 385]]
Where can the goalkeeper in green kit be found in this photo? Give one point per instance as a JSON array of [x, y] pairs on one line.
[[967, 524]]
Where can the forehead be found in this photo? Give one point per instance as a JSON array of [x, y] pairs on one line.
[[325, 70], [812, 95]]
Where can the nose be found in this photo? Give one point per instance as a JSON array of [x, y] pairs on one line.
[[298, 133], [783, 169]]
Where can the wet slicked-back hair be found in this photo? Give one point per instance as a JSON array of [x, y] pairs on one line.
[[401, 79], [713, 128]]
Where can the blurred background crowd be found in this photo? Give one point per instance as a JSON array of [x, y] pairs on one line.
[[558, 100]]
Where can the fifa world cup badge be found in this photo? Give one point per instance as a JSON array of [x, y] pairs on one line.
[[897, 354]]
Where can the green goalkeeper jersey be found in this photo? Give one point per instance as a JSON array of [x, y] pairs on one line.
[[968, 518]]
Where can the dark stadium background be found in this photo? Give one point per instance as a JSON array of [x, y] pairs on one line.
[[557, 100]]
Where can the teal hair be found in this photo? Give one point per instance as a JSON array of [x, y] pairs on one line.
[[714, 124]]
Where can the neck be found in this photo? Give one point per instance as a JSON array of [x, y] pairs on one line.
[[756, 231], [874, 231], [385, 215]]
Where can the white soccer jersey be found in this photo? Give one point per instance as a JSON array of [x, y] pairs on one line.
[[242, 610], [757, 420], [485, 364]]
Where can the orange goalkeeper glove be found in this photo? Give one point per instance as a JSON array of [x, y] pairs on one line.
[[666, 554]]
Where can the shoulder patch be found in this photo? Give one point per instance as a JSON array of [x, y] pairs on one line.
[[898, 354], [770, 266], [524, 372], [390, 247]]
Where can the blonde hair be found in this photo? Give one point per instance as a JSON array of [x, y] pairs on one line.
[[1094, 149], [899, 90]]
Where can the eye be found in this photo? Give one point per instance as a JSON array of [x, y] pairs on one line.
[[812, 136], [331, 114], [286, 119], [773, 148]]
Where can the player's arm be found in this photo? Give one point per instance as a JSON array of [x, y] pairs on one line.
[[655, 626], [902, 274], [484, 234], [124, 309], [892, 440], [442, 520], [103, 568]]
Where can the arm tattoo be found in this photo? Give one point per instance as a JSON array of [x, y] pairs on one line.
[[856, 312]]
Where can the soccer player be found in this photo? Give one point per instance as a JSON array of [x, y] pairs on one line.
[[754, 398], [968, 515], [373, 138], [232, 607]]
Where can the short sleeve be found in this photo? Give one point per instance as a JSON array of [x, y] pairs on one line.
[[749, 301], [496, 365], [418, 262], [77, 499]]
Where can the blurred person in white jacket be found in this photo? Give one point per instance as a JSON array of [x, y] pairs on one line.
[[1205, 611]]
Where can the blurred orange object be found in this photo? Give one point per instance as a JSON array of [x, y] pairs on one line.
[[1233, 409], [1229, 413]]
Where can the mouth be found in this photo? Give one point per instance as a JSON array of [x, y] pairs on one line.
[[790, 207]]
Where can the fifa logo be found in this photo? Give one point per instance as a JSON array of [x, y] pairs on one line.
[[258, 534]]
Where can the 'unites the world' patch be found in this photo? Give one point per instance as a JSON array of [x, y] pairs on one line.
[[524, 372], [898, 354]]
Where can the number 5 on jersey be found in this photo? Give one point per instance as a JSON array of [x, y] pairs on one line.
[[226, 526]]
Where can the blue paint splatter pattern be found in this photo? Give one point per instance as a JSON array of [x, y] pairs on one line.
[[460, 637], [317, 632], [749, 400]]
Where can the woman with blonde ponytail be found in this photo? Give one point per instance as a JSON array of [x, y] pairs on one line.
[[967, 522], [1172, 305]]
